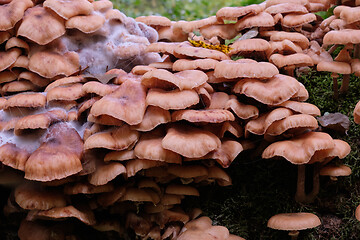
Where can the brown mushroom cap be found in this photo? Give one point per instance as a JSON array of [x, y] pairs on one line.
[[227, 152], [335, 67], [185, 49], [293, 122], [13, 12], [32, 196], [62, 213], [205, 115], [140, 195], [18, 86], [295, 37], [65, 93], [335, 171], [233, 13], [356, 113], [286, 8], [27, 100], [57, 157], [293, 221], [244, 68], [241, 110], [68, 9], [296, 59], [150, 147], [296, 20], [300, 149], [189, 141], [34, 78], [17, 42], [154, 20], [189, 171], [86, 24], [344, 36], [187, 64], [301, 107], [275, 2], [260, 125], [105, 173], [39, 121], [136, 165], [51, 64], [224, 31], [275, 90], [179, 189], [126, 103], [249, 45], [51, 28], [153, 117], [263, 19], [12, 156], [116, 139], [175, 99], [184, 80], [340, 150], [8, 58]]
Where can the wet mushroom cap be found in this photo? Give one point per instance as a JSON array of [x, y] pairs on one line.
[[244, 68], [300, 149], [86, 24], [13, 12], [126, 103], [175, 99], [293, 221], [68, 9], [57, 157], [335, 171], [233, 13], [273, 91], [189, 141], [52, 26]]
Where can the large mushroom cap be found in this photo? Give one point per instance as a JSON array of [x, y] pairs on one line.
[[189, 141], [293, 221], [273, 91], [57, 157], [67, 9], [299, 150], [126, 103], [13, 12], [41, 26], [244, 68]]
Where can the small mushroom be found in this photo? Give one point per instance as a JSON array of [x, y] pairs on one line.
[[293, 222]]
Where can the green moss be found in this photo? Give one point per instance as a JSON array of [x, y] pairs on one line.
[[177, 9]]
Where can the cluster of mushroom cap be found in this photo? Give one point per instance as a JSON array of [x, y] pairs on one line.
[[53, 139], [42, 42], [151, 136]]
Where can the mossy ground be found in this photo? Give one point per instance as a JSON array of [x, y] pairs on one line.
[[262, 188]]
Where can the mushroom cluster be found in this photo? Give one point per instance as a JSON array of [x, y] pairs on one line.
[[114, 121]]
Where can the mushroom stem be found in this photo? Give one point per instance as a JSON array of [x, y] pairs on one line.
[[316, 184], [345, 83], [333, 48], [335, 85], [294, 234], [290, 70], [356, 51], [300, 195]]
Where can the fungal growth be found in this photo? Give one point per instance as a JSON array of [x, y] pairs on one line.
[[111, 122]]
